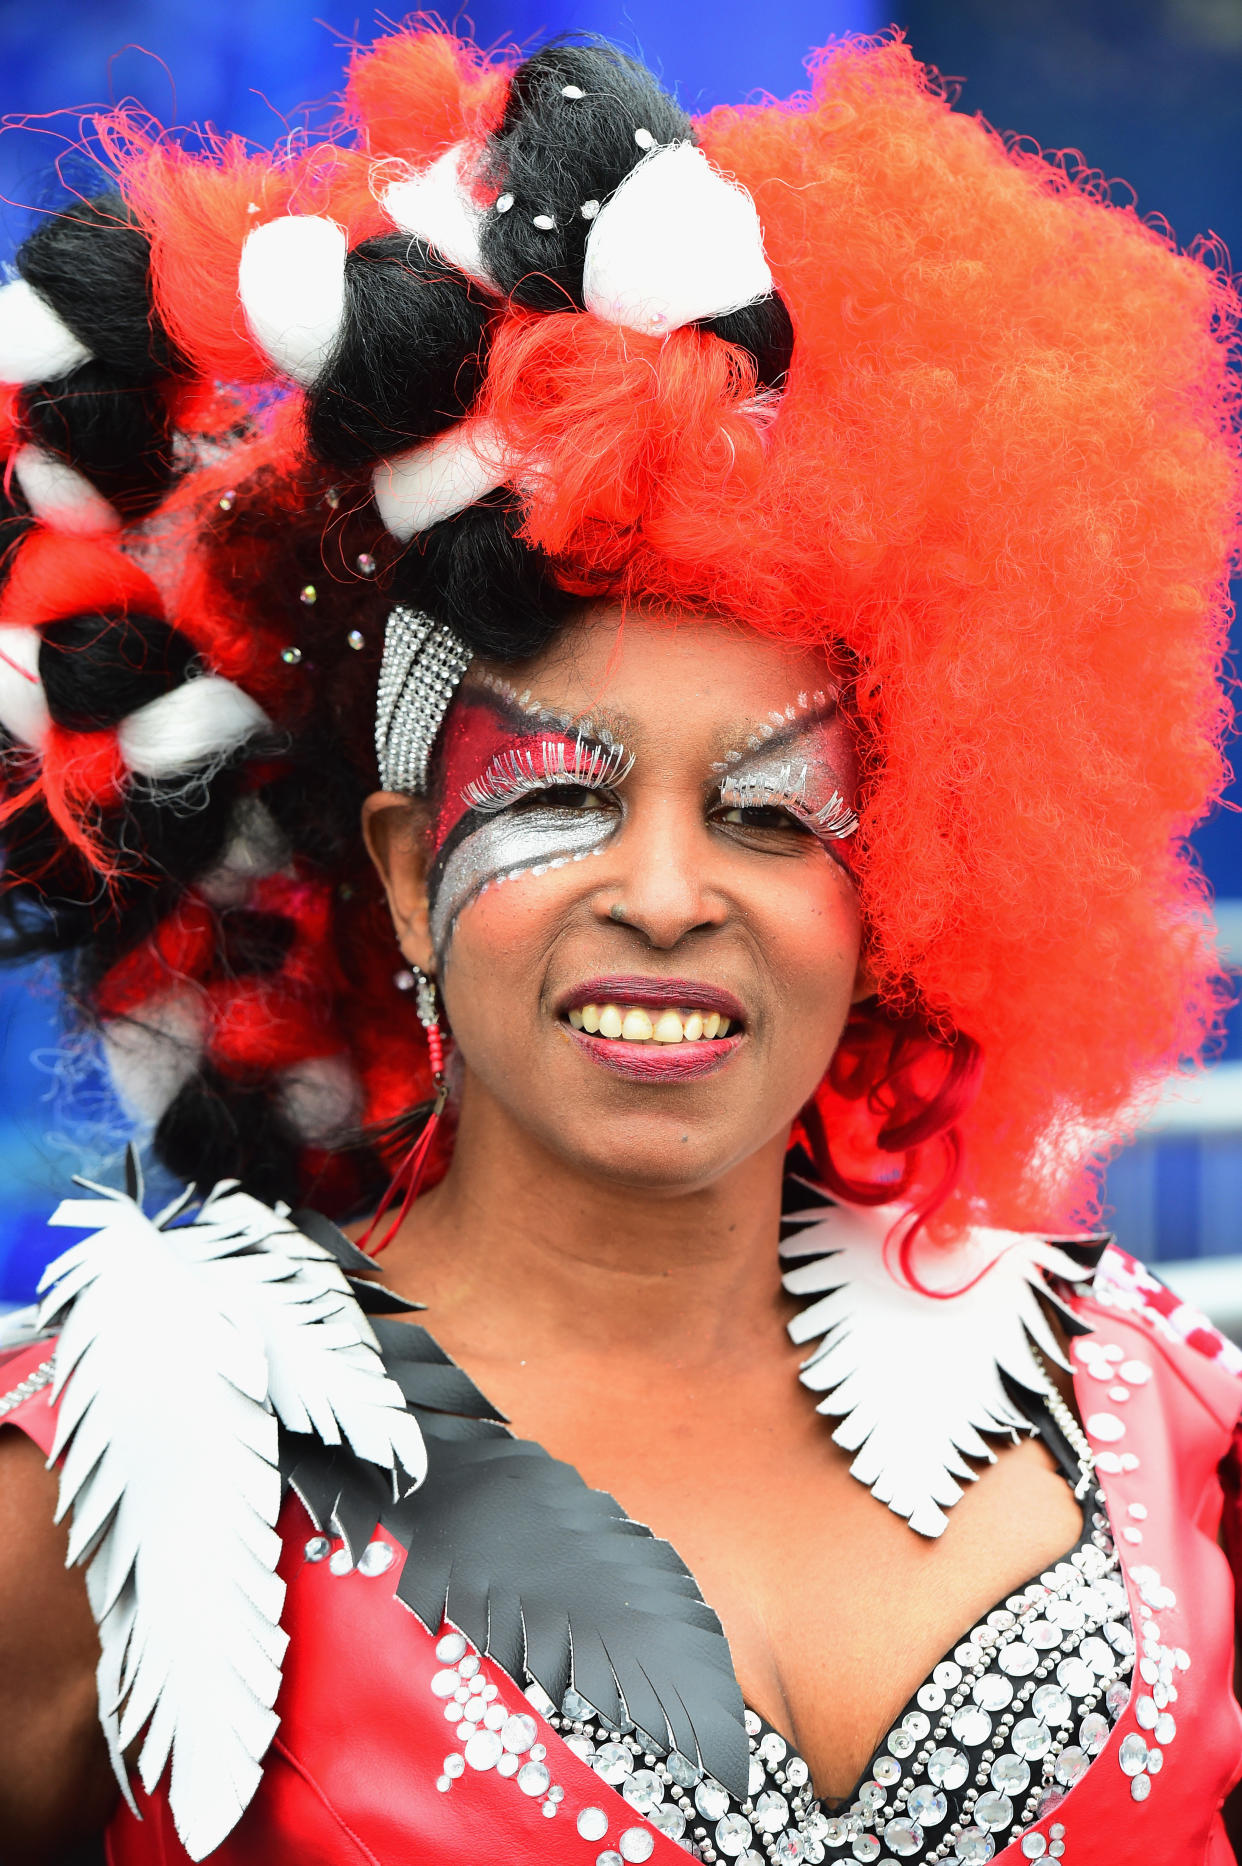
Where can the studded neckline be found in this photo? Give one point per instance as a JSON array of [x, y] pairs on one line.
[[1006, 1722], [983, 1748]]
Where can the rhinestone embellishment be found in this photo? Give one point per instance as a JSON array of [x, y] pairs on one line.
[[42, 1376], [952, 1781], [423, 665]]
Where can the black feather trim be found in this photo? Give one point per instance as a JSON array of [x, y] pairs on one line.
[[550, 1578], [342, 1493]]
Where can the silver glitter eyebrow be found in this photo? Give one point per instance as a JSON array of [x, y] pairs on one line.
[[806, 702], [525, 702]]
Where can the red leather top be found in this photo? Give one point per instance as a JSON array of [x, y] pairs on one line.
[[353, 1772]]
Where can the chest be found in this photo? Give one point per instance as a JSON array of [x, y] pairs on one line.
[[364, 1749], [834, 1610]]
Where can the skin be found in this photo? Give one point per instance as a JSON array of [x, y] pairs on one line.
[[56, 1784], [614, 1240]]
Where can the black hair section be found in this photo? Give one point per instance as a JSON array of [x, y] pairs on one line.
[[763, 329], [15, 522], [410, 359], [217, 1129], [253, 944], [92, 264], [54, 902], [475, 573], [555, 154], [117, 433], [109, 418], [96, 669]]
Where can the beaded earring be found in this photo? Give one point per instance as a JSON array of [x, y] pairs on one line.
[[408, 1176]]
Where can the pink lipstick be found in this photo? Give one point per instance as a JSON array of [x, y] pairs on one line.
[[657, 1062]]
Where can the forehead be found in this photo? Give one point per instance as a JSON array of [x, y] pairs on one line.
[[654, 677]]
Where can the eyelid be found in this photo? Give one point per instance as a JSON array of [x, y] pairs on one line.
[[528, 768], [785, 789]]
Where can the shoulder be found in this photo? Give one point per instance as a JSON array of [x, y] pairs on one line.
[[26, 1374], [55, 1779], [1184, 1344]]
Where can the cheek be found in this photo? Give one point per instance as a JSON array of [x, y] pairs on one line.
[[810, 925], [505, 852], [504, 930]]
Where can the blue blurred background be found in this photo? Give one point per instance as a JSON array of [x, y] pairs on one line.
[[1148, 89]]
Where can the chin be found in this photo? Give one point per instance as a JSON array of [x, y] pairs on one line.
[[671, 1157]]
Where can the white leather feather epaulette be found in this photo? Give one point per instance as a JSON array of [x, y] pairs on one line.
[[184, 1340]]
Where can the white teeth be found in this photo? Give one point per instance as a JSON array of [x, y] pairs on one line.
[[634, 1024], [610, 1021]]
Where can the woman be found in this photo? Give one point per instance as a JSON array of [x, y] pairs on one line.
[[802, 539]]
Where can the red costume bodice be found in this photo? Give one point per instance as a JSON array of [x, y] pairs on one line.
[[357, 1770]]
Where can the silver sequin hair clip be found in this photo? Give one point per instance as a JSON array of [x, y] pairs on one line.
[[423, 666]]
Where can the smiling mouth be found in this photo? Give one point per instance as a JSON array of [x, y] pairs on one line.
[[654, 1030], [638, 1023]]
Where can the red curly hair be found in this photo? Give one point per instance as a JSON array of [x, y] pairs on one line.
[[1001, 479]]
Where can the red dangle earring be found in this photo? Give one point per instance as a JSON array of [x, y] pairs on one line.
[[408, 1176]]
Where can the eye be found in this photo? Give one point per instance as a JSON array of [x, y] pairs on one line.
[[767, 819], [759, 816], [576, 797]]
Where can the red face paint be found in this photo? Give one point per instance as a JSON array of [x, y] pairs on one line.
[[480, 731]]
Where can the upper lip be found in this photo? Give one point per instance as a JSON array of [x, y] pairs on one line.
[[657, 993]]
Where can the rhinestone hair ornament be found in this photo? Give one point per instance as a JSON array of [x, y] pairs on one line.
[[422, 668]]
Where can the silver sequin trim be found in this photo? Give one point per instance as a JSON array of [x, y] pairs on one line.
[[27, 1388]]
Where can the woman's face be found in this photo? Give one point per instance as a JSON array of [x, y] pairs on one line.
[[631, 882]]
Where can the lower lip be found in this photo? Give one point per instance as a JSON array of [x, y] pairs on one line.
[[656, 1062]]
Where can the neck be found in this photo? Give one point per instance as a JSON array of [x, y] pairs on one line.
[[515, 1231]]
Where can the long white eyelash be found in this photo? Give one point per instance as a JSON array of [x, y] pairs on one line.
[[837, 819], [529, 768], [785, 789]]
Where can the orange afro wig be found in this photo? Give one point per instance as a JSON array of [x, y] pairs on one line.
[[996, 471]]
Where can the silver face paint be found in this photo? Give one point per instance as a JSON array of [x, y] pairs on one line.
[[525, 702], [508, 846], [820, 704]]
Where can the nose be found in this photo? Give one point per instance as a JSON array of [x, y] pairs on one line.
[[660, 881]]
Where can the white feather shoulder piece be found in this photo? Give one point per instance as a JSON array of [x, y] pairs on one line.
[[184, 1339], [915, 1379]]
